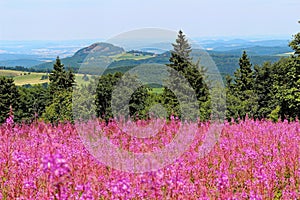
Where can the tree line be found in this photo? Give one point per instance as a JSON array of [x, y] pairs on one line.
[[270, 91]]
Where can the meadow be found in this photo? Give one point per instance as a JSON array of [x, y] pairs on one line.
[[251, 160], [130, 56], [34, 78], [23, 78]]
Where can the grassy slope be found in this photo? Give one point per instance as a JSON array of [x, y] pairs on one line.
[[32, 78], [22, 78], [35, 78], [157, 90], [130, 56], [79, 80]]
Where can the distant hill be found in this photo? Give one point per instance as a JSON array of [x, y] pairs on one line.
[[227, 63], [90, 54], [99, 56], [101, 49], [228, 45], [20, 62], [12, 60], [258, 50], [10, 56]]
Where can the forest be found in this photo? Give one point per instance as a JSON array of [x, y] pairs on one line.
[[267, 91]]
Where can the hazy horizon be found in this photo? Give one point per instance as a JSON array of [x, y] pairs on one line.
[[219, 37], [81, 20]]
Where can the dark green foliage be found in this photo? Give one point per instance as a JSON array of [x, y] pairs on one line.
[[114, 88], [32, 102], [273, 91], [8, 97], [287, 81], [295, 44], [154, 106], [60, 79], [104, 94], [244, 76], [84, 97], [241, 96], [182, 48], [138, 103], [195, 88], [287, 87], [263, 85], [60, 109], [61, 85]]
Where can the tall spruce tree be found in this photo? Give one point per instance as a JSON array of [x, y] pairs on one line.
[[182, 47], [61, 85], [244, 77], [60, 79], [8, 97], [241, 97], [289, 91], [181, 64], [264, 90]]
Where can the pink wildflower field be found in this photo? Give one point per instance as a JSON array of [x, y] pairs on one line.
[[251, 160]]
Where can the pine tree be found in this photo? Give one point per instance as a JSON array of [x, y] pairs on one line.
[[60, 79], [8, 97], [61, 85], [181, 65], [182, 48], [264, 90], [241, 96], [244, 78], [288, 83]]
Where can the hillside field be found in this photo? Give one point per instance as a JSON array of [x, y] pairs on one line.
[[32, 78]]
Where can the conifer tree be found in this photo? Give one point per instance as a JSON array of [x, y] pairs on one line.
[[182, 48], [263, 86], [60, 79], [109, 98], [181, 63], [8, 97], [61, 85], [244, 77], [288, 92], [241, 96]]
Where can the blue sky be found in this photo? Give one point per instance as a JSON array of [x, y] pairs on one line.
[[91, 19]]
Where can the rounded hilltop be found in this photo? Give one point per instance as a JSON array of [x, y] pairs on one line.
[[103, 48]]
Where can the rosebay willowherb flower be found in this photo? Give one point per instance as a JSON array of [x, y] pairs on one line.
[[252, 160], [55, 165]]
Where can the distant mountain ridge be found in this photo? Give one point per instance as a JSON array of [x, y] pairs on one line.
[[96, 56], [225, 54], [100, 48], [21, 62], [94, 51]]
